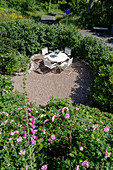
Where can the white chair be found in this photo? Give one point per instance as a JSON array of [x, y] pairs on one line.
[[68, 63], [68, 51], [44, 50], [65, 64], [48, 64]]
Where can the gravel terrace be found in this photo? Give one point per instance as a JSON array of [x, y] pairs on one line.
[[72, 82]]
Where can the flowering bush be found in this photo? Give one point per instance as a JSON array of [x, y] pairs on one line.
[[61, 136], [9, 14]]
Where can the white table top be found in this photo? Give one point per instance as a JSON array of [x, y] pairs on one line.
[[57, 57]]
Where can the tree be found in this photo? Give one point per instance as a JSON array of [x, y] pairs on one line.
[[90, 5], [49, 4]]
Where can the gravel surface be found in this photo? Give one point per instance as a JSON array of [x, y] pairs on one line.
[[42, 83]]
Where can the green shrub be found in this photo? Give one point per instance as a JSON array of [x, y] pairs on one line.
[[66, 136], [13, 62], [30, 37], [100, 57]]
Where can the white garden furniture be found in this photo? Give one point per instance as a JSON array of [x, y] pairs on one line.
[[65, 64], [68, 51], [48, 64], [44, 50]]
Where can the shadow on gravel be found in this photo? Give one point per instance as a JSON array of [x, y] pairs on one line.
[[78, 94]]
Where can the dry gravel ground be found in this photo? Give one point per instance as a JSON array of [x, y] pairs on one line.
[[72, 82]]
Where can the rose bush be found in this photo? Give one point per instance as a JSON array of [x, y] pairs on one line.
[[61, 136]]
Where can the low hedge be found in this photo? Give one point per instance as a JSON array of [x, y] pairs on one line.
[[55, 136], [29, 37]]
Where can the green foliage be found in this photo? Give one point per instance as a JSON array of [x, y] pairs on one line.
[[29, 37], [84, 128], [20, 5], [6, 85], [78, 6], [100, 57], [13, 62]]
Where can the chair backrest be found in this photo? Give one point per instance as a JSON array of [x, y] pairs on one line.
[[47, 63], [70, 61], [67, 50], [44, 50]]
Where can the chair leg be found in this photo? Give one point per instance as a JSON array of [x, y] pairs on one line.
[[46, 71]]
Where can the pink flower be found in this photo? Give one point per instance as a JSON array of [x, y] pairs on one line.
[[11, 121], [49, 140], [32, 126], [94, 127], [77, 168], [5, 113], [66, 115], [44, 167], [89, 122], [77, 108], [16, 131], [32, 131], [22, 152], [12, 133], [10, 139], [106, 150], [106, 129], [65, 108], [81, 148], [107, 154], [32, 121], [4, 122], [34, 137], [24, 136], [19, 139], [33, 141], [53, 118], [60, 110], [47, 120], [25, 144], [31, 116], [53, 137], [85, 164], [101, 122]]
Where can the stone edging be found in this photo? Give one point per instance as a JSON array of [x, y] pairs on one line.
[[31, 68]]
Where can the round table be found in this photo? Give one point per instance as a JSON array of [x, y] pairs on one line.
[[60, 57]]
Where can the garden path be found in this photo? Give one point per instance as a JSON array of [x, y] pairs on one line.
[[107, 38], [72, 82]]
